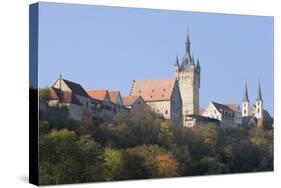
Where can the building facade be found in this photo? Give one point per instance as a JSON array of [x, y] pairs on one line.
[[163, 96], [227, 114]]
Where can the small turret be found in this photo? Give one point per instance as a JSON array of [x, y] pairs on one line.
[[177, 65], [198, 68]]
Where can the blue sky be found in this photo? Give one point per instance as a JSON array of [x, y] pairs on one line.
[[107, 47]]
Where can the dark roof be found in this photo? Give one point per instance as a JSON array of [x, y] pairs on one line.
[[204, 118], [221, 107], [76, 88], [63, 96]]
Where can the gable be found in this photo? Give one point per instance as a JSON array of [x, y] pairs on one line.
[[115, 97], [66, 85]]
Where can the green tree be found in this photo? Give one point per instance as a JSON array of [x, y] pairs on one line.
[[113, 164], [58, 158], [211, 165]]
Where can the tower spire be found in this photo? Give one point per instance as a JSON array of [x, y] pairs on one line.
[[246, 98], [259, 97], [177, 61], [187, 42]]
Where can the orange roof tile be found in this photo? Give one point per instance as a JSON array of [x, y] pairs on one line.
[[129, 100], [153, 90], [113, 95], [97, 94]]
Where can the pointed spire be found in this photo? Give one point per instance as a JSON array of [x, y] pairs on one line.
[[259, 97], [246, 98], [198, 64], [177, 61], [187, 43]]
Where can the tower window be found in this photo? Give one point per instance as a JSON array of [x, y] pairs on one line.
[[244, 111], [166, 112], [258, 110], [152, 90]]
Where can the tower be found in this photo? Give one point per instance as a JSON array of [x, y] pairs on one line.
[[246, 103], [188, 76], [259, 104]]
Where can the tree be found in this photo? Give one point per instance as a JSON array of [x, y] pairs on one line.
[[58, 158], [166, 137], [148, 153], [113, 164], [90, 159], [211, 165], [166, 165]]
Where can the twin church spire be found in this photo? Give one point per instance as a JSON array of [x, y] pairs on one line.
[[259, 95]]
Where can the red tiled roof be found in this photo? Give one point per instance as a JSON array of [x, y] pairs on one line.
[[153, 90], [63, 96], [113, 96], [129, 100], [97, 94]]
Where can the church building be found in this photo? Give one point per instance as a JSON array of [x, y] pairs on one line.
[[255, 115]]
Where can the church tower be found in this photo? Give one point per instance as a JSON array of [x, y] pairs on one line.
[[246, 103], [188, 75], [259, 104]]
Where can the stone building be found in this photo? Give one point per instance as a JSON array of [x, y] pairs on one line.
[[72, 95], [163, 96], [116, 100], [105, 108], [174, 98], [227, 114], [188, 75]]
